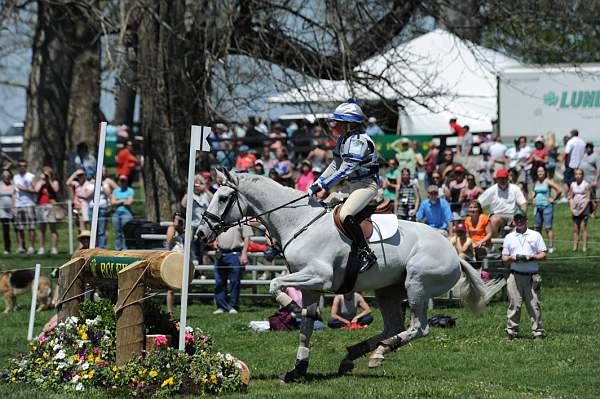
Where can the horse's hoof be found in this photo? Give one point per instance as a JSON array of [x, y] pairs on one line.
[[375, 361], [346, 366], [291, 377]]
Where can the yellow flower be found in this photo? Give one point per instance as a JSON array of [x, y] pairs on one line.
[[114, 387], [213, 378], [46, 355], [114, 369], [13, 379], [168, 381], [76, 358], [91, 374], [153, 373], [84, 336], [90, 358]]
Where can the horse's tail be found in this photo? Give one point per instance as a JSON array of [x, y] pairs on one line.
[[472, 291]]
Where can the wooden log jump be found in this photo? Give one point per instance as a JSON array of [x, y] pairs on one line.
[[133, 271]]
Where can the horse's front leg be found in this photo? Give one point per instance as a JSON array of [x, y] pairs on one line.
[[311, 283], [309, 280], [309, 298]]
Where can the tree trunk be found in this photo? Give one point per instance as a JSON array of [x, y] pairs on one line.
[[64, 45], [126, 84], [48, 94], [173, 75]]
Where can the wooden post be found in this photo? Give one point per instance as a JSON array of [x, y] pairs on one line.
[[70, 288], [131, 332]]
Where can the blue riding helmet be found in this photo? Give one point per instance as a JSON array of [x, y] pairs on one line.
[[348, 112]]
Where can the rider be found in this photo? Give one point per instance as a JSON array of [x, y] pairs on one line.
[[355, 161]]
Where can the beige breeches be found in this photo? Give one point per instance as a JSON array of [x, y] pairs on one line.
[[524, 289], [361, 193]]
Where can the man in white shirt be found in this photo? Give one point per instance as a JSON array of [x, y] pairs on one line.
[[574, 152], [504, 199], [522, 249], [24, 206], [498, 151]]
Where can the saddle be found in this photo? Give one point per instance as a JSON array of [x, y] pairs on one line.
[[365, 219]]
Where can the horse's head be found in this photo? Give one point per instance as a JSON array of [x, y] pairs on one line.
[[226, 209]]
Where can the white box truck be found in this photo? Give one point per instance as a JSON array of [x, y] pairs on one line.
[[552, 98]]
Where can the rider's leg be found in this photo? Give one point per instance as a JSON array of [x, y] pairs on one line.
[[358, 199]]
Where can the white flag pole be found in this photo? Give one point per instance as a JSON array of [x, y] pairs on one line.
[[34, 290], [98, 184], [198, 141]]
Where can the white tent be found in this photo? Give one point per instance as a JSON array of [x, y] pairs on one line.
[[433, 77]]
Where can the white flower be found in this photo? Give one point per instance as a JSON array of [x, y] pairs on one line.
[[79, 387], [189, 329], [72, 320], [60, 355], [228, 357], [85, 366], [38, 380], [56, 347], [62, 365], [79, 343], [75, 379], [90, 322]]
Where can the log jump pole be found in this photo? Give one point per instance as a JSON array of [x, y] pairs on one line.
[[133, 271]]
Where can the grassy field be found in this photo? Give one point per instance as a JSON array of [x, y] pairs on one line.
[[470, 361]]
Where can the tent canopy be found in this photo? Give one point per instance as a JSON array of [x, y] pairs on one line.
[[432, 78]]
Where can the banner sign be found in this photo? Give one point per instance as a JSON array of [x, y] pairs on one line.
[[107, 267], [388, 145]]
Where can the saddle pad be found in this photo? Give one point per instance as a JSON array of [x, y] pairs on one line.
[[385, 225]]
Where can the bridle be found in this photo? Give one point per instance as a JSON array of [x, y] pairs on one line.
[[216, 223]]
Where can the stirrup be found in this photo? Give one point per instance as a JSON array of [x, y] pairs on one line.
[[367, 259]]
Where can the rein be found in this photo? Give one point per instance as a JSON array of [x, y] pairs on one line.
[[218, 225]]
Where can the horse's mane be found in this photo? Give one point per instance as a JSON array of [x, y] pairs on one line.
[[267, 181]]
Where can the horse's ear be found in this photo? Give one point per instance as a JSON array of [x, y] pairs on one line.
[[222, 175], [233, 178]]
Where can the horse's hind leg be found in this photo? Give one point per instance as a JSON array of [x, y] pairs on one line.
[[309, 298], [389, 300], [417, 299]]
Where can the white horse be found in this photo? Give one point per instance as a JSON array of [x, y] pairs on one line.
[[417, 263]]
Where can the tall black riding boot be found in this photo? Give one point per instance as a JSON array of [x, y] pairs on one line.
[[366, 257]]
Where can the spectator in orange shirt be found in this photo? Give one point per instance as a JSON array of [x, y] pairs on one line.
[[245, 159], [127, 163], [479, 229]]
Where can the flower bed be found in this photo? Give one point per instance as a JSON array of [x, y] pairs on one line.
[[80, 353]]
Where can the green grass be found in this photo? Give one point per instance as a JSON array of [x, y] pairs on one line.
[[469, 361]]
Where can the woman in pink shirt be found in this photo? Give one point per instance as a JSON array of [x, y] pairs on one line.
[[579, 201], [306, 177]]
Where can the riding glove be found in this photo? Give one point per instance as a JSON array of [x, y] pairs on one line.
[[314, 188]]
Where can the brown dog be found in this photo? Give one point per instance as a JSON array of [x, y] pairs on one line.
[[20, 281]]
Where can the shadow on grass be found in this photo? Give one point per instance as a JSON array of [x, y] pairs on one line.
[[316, 377]]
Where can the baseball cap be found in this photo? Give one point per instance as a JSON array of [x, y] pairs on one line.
[[502, 173], [244, 148], [433, 189], [539, 139], [84, 234], [519, 213], [123, 177], [459, 169], [404, 140], [460, 228], [372, 119]]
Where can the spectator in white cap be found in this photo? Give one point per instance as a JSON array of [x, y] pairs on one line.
[[355, 162], [373, 129]]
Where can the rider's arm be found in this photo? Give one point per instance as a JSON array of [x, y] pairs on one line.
[[356, 151]]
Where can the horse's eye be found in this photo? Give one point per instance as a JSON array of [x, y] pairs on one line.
[[222, 199]]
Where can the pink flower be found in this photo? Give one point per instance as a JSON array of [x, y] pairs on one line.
[[189, 337], [96, 351], [160, 340], [43, 338]]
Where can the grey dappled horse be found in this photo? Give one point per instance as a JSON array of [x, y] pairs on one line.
[[417, 263]]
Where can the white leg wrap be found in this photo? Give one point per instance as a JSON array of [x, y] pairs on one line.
[[283, 299], [303, 353]]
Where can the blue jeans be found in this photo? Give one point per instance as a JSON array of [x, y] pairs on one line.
[[120, 218], [101, 229], [228, 267]]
